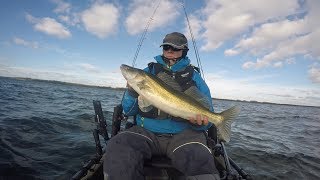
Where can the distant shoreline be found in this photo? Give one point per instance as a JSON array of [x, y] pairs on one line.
[[122, 89]]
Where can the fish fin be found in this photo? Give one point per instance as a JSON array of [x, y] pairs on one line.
[[144, 105], [224, 128], [196, 94], [167, 79]]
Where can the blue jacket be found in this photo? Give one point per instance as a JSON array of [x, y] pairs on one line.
[[130, 105]]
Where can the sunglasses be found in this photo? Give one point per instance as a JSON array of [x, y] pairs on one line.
[[167, 47]]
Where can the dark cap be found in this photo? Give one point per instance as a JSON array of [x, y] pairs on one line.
[[176, 40]]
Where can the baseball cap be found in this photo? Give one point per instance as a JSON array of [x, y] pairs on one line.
[[176, 40]]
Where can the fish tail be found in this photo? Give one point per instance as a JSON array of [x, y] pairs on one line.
[[224, 129]]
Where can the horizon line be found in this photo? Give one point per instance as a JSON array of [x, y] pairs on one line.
[[123, 88]]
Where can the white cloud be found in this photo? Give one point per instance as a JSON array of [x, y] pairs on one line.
[[248, 90], [64, 18], [140, 11], [65, 14], [231, 52], [26, 43], [227, 19], [271, 33], [89, 68], [278, 64], [291, 61], [49, 26], [291, 47], [70, 19], [65, 74], [62, 7], [195, 25], [266, 37], [101, 19], [283, 40], [314, 73]]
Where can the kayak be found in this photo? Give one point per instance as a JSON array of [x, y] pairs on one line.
[[158, 167]]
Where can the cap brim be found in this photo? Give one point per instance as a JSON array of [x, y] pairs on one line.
[[173, 45]]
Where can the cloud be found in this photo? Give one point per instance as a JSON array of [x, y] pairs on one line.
[[65, 13], [89, 68], [66, 74], [267, 36], [196, 26], [140, 12], [283, 40], [25, 43], [314, 73], [227, 19], [278, 64], [71, 19], [289, 48], [49, 26], [248, 89], [62, 7], [101, 20]]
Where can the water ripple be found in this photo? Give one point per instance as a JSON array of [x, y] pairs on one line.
[[46, 132]]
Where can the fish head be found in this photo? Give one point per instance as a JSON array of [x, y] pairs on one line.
[[133, 75], [129, 72]]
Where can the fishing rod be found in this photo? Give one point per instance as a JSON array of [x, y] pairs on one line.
[[99, 118], [193, 42], [144, 35], [220, 149], [190, 30], [242, 173]]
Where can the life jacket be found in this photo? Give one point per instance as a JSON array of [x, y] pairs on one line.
[[183, 78]]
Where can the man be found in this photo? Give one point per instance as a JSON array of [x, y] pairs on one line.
[[158, 133]]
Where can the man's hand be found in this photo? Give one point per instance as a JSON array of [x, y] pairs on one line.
[[199, 119]]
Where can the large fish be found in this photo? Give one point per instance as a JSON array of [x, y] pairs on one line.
[[176, 103]]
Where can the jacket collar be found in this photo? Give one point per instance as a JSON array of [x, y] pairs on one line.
[[184, 62]]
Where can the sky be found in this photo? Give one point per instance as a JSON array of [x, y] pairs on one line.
[[261, 50]]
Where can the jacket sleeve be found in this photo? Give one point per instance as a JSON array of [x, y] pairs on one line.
[[130, 103]]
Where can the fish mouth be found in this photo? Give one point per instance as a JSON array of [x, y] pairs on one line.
[[124, 67], [128, 72]]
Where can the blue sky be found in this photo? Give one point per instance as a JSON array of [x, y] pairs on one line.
[[263, 50]]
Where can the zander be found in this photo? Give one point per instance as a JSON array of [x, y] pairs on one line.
[[176, 103]]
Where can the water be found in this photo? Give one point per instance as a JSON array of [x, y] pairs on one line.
[[46, 132]]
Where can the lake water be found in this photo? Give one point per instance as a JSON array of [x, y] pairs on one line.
[[46, 132]]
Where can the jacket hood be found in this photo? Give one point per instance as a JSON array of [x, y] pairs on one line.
[[181, 64]]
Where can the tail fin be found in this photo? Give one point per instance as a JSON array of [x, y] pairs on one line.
[[224, 129]]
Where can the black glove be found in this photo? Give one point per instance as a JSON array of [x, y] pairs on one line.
[[132, 92]]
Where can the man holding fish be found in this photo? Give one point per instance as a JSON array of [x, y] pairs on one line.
[[173, 109]]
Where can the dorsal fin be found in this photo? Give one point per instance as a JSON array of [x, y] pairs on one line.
[[196, 94], [166, 78]]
